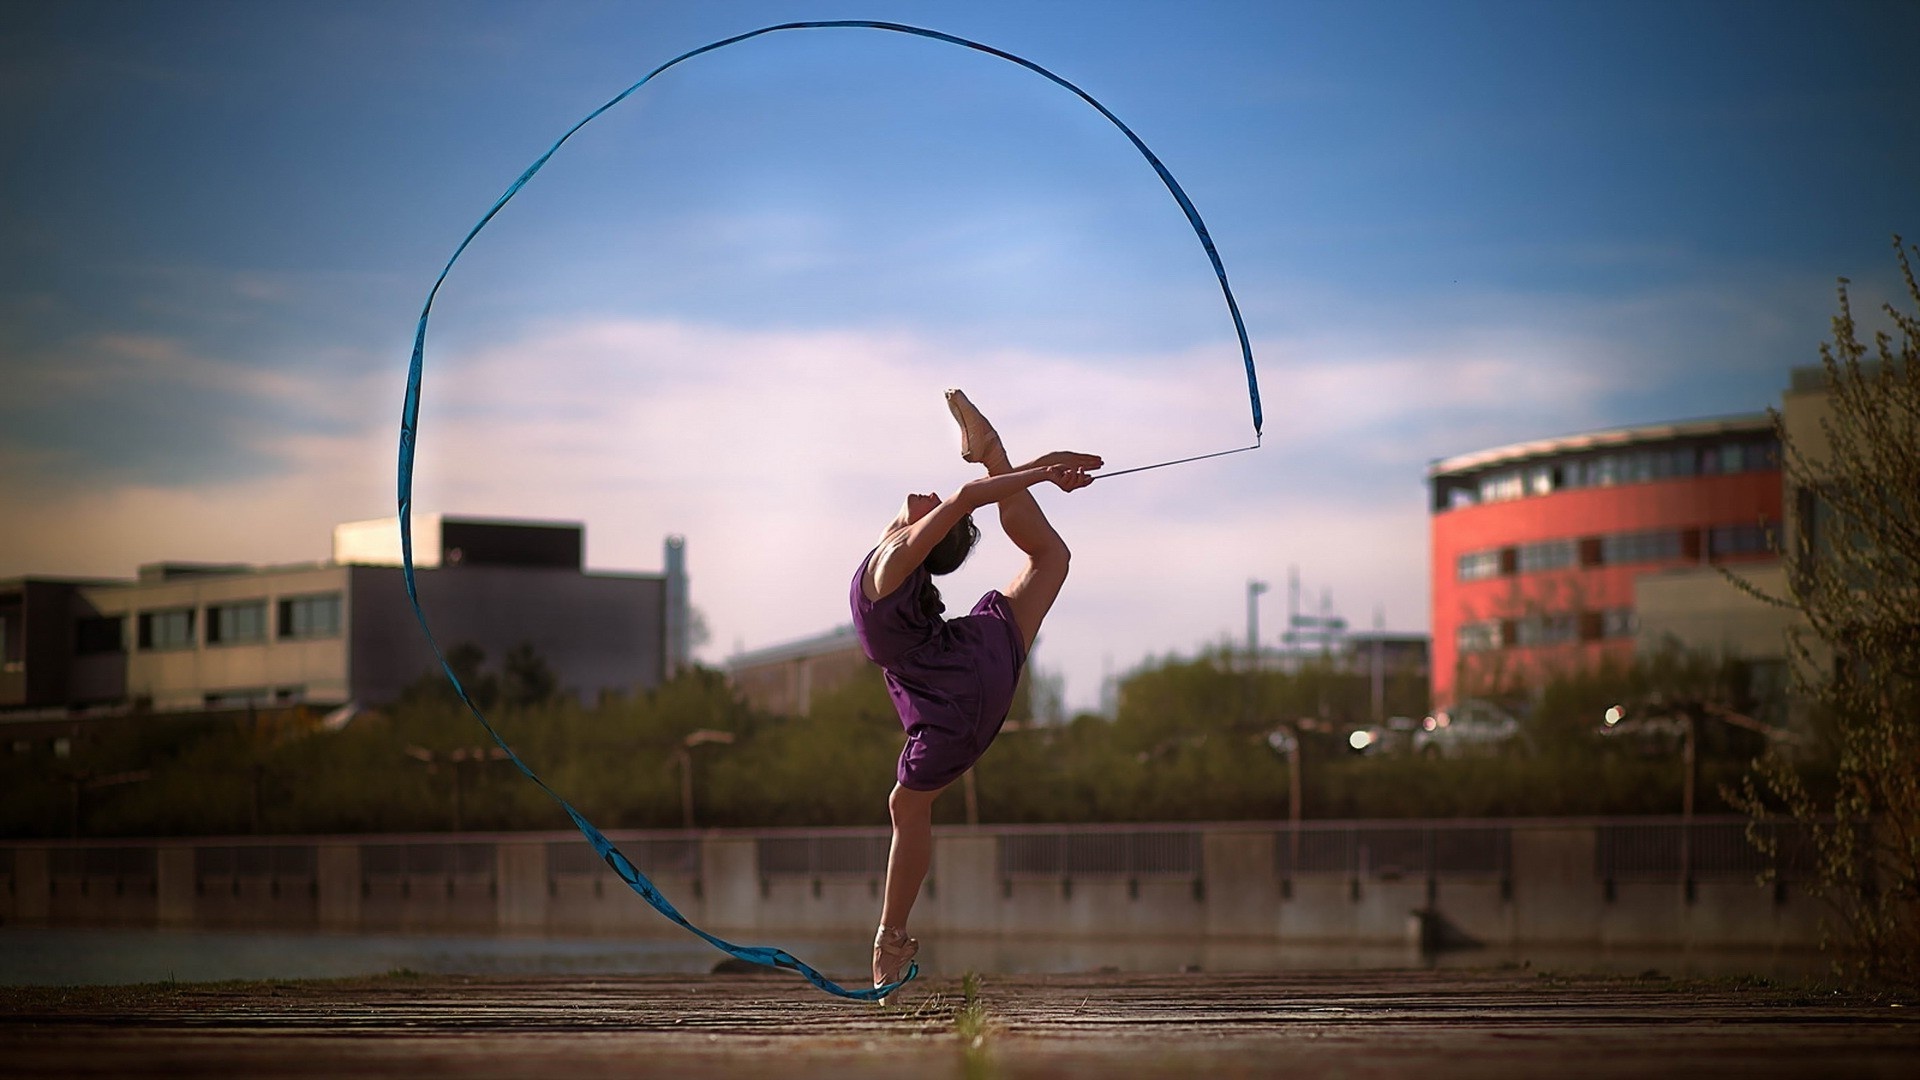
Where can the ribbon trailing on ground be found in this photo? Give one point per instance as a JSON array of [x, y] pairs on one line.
[[410, 418]]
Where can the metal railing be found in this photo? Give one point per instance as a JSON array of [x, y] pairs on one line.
[[1625, 850], [1388, 850], [448, 860], [256, 861], [826, 855], [1708, 848], [133, 870], [572, 858], [1113, 852], [284, 869], [103, 862]]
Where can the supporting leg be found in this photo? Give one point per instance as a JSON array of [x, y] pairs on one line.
[[911, 854], [907, 862]]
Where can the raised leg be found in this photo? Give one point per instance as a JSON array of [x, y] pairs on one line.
[[1035, 587]]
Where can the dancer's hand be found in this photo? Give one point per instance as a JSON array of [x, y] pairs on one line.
[[1084, 462], [1068, 477]]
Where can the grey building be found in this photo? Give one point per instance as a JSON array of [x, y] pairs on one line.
[[191, 636]]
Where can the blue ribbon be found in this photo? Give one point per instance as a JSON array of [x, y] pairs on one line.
[[410, 418]]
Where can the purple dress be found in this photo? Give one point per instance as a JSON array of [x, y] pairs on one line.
[[951, 680]]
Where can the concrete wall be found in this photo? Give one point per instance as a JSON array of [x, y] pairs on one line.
[[1551, 885]]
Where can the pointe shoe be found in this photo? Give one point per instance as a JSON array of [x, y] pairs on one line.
[[977, 437], [892, 950]]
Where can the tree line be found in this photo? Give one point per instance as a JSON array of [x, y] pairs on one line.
[[1191, 738]]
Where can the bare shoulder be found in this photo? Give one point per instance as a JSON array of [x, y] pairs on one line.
[[886, 569]]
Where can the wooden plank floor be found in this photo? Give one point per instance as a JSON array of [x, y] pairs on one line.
[[1357, 1024]]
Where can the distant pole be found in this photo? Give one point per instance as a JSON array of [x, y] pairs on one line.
[[686, 787], [1688, 754], [1254, 589], [1293, 605], [1293, 804], [1325, 623], [1379, 667], [1285, 738]]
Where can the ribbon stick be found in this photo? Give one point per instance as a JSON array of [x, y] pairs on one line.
[[410, 418]]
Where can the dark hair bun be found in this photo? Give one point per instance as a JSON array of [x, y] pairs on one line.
[[945, 558]]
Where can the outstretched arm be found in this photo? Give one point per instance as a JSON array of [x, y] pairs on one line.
[[902, 551]]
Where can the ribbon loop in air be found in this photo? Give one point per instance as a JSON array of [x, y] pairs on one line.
[[410, 418]]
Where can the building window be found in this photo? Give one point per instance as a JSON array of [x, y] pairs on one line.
[[1723, 540], [1678, 461], [1546, 555], [1602, 471], [1482, 636], [1501, 486], [1659, 545], [164, 630], [1479, 565], [310, 616], [237, 699], [1537, 630], [1618, 623], [103, 634], [1749, 455], [237, 624]]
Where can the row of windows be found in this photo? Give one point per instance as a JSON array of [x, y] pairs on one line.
[[260, 696], [239, 623], [1612, 468], [1546, 629], [1616, 549]]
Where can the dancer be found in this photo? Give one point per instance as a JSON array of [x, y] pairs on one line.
[[952, 680]]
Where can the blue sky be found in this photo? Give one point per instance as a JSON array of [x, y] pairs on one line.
[[727, 308]]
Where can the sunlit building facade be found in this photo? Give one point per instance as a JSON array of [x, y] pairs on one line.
[[1539, 549], [191, 637]]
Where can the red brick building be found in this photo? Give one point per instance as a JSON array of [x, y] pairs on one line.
[[1537, 546]]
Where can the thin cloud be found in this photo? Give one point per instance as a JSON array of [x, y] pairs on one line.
[[780, 453]]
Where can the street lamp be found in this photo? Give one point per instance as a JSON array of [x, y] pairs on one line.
[[1285, 741], [1254, 589], [685, 756], [1686, 716], [459, 758]]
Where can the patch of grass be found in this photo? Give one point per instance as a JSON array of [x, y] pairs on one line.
[[970, 1022]]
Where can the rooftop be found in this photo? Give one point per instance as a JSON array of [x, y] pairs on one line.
[[1605, 439], [836, 640]]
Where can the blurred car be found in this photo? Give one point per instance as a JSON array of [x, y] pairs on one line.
[[1393, 737], [1472, 726]]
